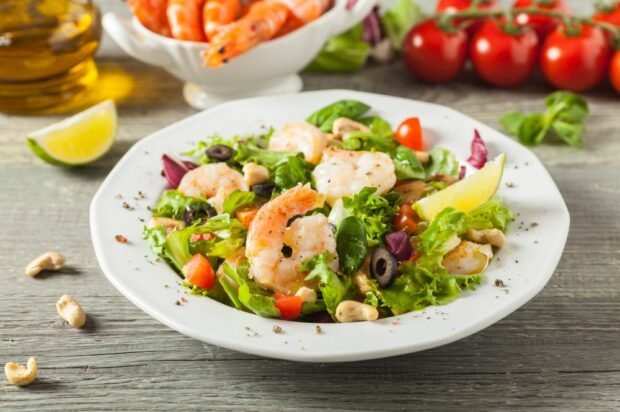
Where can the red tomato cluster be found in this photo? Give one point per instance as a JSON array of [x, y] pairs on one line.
[[573, 57]]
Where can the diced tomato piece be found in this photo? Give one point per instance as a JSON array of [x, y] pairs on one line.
[[198, 272], [290, 306], [409, 134], [406, 219], [246, 215]]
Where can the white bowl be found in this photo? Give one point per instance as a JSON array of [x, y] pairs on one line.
[[524, 264], [270, 68]]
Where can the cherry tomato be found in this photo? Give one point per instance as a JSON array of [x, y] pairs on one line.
[[198, 272], [406, 219], [410, 134], [246, 215], [504, 59], [454, 6], [290, 306], [614, 71], [576, 61], [609, 15], [543, 25], [434, 55]]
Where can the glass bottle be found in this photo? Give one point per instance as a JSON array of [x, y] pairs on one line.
[[46, 52]]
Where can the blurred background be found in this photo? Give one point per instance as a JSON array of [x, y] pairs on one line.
[[107, 47]]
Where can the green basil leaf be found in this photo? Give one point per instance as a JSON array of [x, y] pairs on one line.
[[291, 172], [407, 165], [351, 244], [324, 118]]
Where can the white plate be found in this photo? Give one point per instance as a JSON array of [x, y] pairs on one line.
[[534, 245]]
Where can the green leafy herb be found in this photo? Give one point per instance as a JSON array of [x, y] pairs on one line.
[[236, 200], [324, 118], [399, 19], [374, 211], [344, 53], [334, 288], [351, 244], [249, 293], [564, 117]]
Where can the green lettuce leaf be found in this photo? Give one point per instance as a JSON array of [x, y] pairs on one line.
[[238, 199], [291, 172], [407, 164], [351, 244], [442, 161], [155, 238], [374, 211], [173, 203], [491, 215], [251, 295], [334, 288]]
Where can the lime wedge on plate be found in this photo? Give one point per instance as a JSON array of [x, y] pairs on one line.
[[467, 194], [78, 140]]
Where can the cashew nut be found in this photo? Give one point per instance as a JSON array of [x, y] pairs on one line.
[[353, 311], [411, 191], [423, 157], [362, 281], [166, 222], [494, 237], [343, 125], [47, 261], [307, 294], [70, 310], [254, 174], [21, 375]]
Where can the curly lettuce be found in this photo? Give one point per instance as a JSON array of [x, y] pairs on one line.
[[374, 211], [334, 289]]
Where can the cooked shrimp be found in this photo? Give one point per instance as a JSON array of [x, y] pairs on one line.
[[300, 137], [307, 10], [214, 181], [218, 13], [152, 14], [184, 17], [345, 173], [467, 258], [261, 23], [306, 236]]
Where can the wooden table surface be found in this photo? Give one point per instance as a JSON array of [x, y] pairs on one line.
[[561, 350]]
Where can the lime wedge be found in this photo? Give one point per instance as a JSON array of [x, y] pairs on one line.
[[79, 139], [465, 195]]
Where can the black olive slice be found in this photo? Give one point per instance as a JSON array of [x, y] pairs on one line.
[[263, 190], [220, 152], [383, 267]]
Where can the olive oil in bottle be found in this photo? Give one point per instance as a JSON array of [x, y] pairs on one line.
[[46, 52]]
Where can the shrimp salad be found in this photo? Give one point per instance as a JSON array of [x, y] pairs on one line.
[[336, 218]]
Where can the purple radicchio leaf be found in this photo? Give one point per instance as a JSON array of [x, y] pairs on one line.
[[372, 27], [399, 245], [190, 165], [351, 4], [479, 153], [174, 170], [462, 172]]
